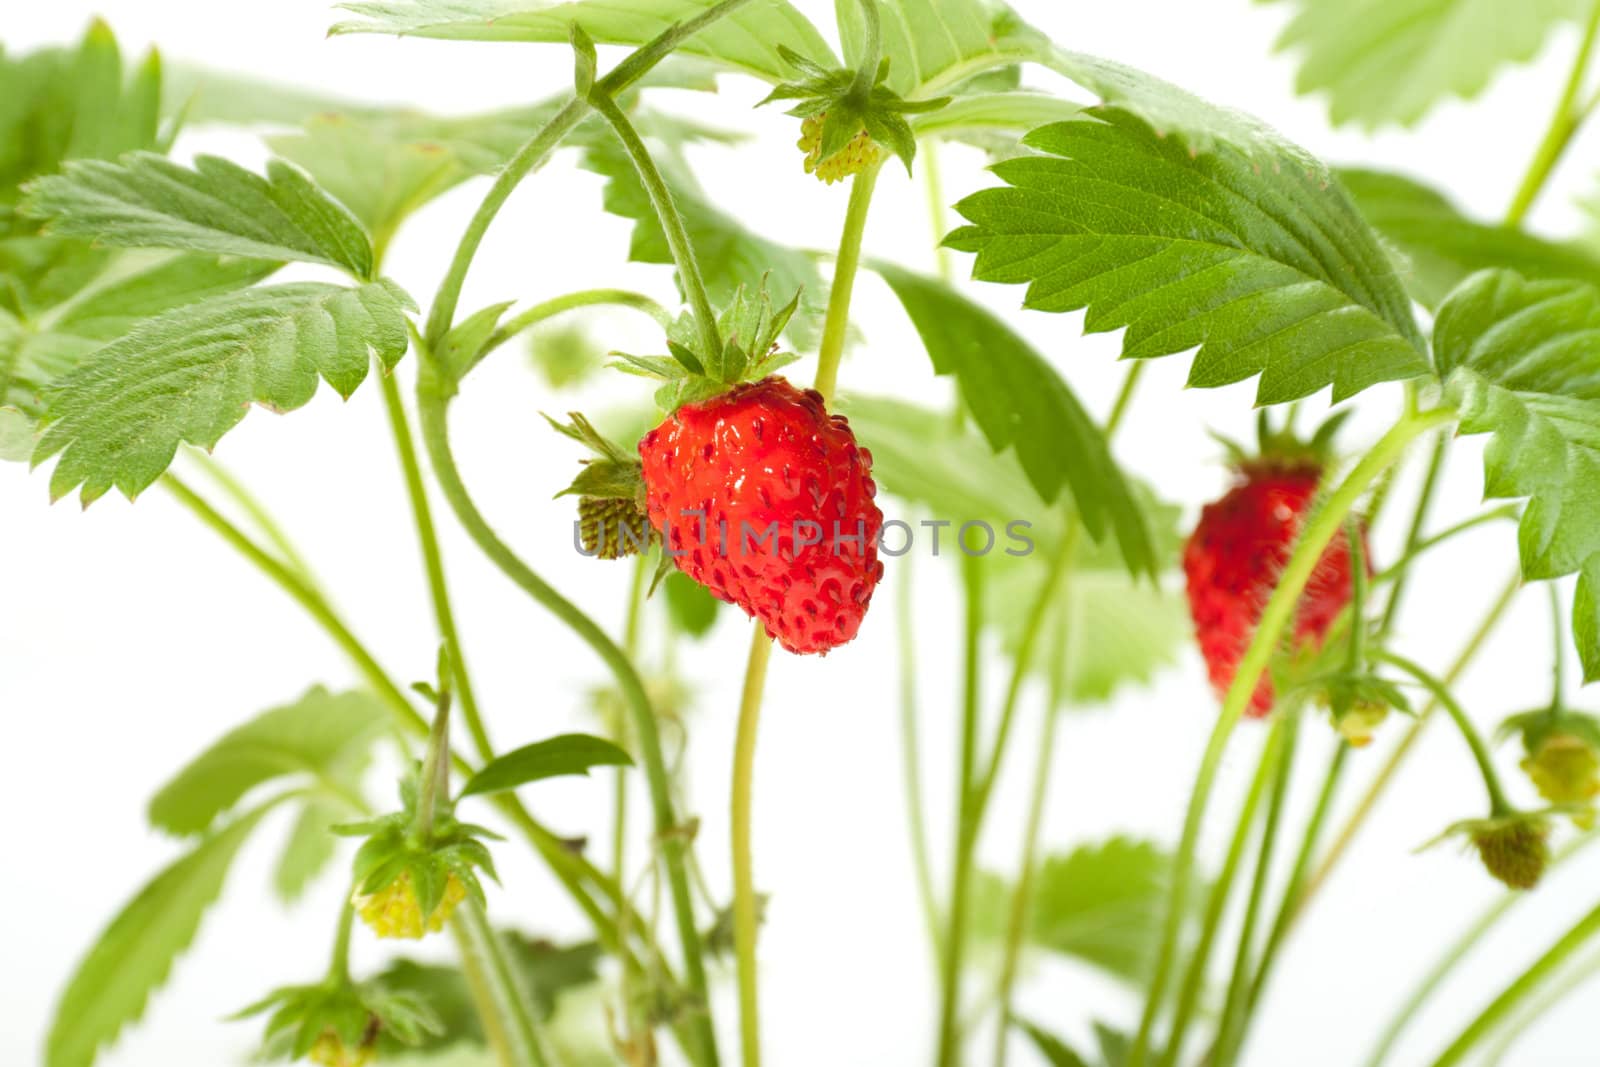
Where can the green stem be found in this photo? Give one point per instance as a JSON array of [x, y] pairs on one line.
[[1527, 983], [966, 816], [533, 154], [339, 965], [746, 914], [549, 309], [1498, 804], [512, 1000], [911, 753], [1274, 620], [666, 210], [1419, 520], [836, 325], [1564, 125], [1230, 1029], [247, 501], [433, 411], [872, 46], [433, 563], [933, 181], [1272, 753], [435, 769], [1398, 568], [1579, 977], [1558, 668], [1457, 952], [482, 993]]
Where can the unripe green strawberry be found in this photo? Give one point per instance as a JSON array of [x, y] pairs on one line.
[[1566, 770], [612, 527], [1516, 849]]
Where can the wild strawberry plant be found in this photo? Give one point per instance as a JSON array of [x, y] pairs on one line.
[[140, 322]]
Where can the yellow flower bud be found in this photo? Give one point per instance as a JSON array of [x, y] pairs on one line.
[[858, 154], [331, 1051], [394, 910]]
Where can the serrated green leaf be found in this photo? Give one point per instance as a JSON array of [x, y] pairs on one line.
[[730, 255], [1269, 271], [1521, 361], [690, 605], [147, 201], [568, 754], [1104, 904], [134, 955], [1441, 246], [1019, 401], [935, 45], [746, 41], [308, 849], [191, 374], [139, 287], [324, 736], [1104, 629], [1391, 61]]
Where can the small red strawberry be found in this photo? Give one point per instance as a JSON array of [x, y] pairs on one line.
[[1238, 550], [766, 500]]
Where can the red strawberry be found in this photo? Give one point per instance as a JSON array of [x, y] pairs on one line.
[[1235, 556], [718, 474]]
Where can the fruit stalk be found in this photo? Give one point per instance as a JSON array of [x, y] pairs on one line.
[[1498, 803], [746, 915], [1275, 617], [1564, 125]]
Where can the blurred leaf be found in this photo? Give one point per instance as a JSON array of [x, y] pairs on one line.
[[564, 353], [134, 955], [1521, 361], [1019, 400], [191, 374], [1391, 61], [1267, 269], [747, 40], [690, 605], [324, 736], [146, 201], [1442, 246], [1052, 1048], [568, 754], [979, 117], [310, 846], [935, 45]]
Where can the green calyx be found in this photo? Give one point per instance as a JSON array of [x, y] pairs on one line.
[[749, 326], [1281, 448], [1514, 847], [847, 107], [612, 520], [1561, 757], [1359, 701], [337, 1022]]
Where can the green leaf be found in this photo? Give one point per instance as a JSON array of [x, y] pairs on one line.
[[324, 736], [1018, 400], [1441, 246], [1391, 61], [309, 848], [567, 754], [690, 605], [1104, 629], [980, 118], [146, 201], [1269, 270], [1052, 1048], [191, 374], [934, 45], [134, 955], [1521, 361], [140, 287], [1103, 904], [731, 256], [748, 40]]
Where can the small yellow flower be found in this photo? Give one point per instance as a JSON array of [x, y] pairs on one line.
[[858, 154], [1360, 722], [331, 1051], [394, 911], [1566, 771]]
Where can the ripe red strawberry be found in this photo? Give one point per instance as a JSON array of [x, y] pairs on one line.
[[719, 473], [1238, 551]]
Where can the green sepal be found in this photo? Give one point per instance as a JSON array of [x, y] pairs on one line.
[[393, 847], [1537, 726], [617, 474], [354, 1012]]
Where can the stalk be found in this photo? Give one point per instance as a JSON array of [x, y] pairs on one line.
[[911, 752], [236, 490], [1498, 804], [837, 323], [1530, 980], [1272, 754], [549, 309], [1274, 619], [1564, 125], [746, 914], [1579, 977], [508, 993]]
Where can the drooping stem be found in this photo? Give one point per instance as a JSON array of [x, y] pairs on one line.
[[746, 912], [966, 818], [836, 326], [513, 1002], [1458, 951], [1564, 125], [1498, 804], [549, 309], [433, 563], [533, 154], [435, 435], [666, 211], [911, 754], [1396, 570], [1272, 753], [1274, 619], [1230, 1027], [1528, 982]]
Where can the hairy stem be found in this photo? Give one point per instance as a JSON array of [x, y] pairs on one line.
[[549, 309], [1498, 804], [1529, 981], [836, 325], [435, 435], [746, 913], [512, 1001], [1564, 125], [481, 991], [1274, 620]]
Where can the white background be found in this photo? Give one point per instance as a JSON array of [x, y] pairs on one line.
[[131, 637]]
